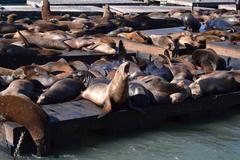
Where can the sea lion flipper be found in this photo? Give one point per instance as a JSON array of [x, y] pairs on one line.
[[107, 108]]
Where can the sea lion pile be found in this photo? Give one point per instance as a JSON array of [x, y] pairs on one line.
[[186, 69]]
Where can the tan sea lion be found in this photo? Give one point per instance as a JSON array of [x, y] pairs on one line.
[[165, 42], [21, 87], [135, 36], [112, 95], [28, 114]]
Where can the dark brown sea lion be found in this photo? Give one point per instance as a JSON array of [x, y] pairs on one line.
[[21, 87], [28, 114], [190, 22], [62, 91], [10, 28], [216, 82], [112, 95], [160, 88], [208, 59], [234, 38], [84, 77]]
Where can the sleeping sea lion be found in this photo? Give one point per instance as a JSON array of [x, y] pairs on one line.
[[28, 114], [62, 91], [216, 82], [21, 87], [208, 59], [112, 95]]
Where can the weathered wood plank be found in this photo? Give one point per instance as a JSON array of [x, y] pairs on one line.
[[55, 9], [150, 9], [227, 6], [87, 2], [202, 3], [163, 31], [225, 48]]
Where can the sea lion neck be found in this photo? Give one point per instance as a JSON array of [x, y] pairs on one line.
[[46, 12]]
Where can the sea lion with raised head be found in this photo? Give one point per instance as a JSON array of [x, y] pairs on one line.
[[112, 95], [28, 114], [190, 22]]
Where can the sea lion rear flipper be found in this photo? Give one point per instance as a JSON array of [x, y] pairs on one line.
[[107, 108]]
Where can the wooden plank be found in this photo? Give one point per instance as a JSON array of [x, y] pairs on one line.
[[225, 48], [150, 9], [163, 31], [202, 3], [55, 9], [227, 6], [72, 117], [87, 2]]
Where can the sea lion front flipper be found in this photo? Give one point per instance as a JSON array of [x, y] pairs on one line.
[[107, 108]]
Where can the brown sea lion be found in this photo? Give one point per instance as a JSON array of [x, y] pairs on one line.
[[208, 38], [216, 82], [28, 114], [165, 42], [44, 80], [234, 38], [135, 36], [208, 59], [43, 26], [79, 65], [62, 91], [160, 88], [60, 68], [112, 95], [21, 87]]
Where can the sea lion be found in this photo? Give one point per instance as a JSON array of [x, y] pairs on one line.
[[60, 68], [112, 95], [84, 77], [79, 65], [21, 87], [139, 95], [45, 80], [216, 82], [62, 91], [221, 24], [10, 28], [165, 42], [181, 95], [204, 39], [208, 59], [135, 36], [190, 22], [159, 88], [28, 114], [234, 37]]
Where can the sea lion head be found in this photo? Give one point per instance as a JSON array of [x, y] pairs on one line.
[[196, 90], [19, 73], [124, 70]]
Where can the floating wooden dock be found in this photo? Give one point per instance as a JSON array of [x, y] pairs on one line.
[[87, 2], [227, 6], [69, 120], [200, 3], [28, 10], [225, 48], [149, 9]]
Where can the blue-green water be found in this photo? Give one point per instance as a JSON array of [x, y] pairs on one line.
[[218, 139]]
